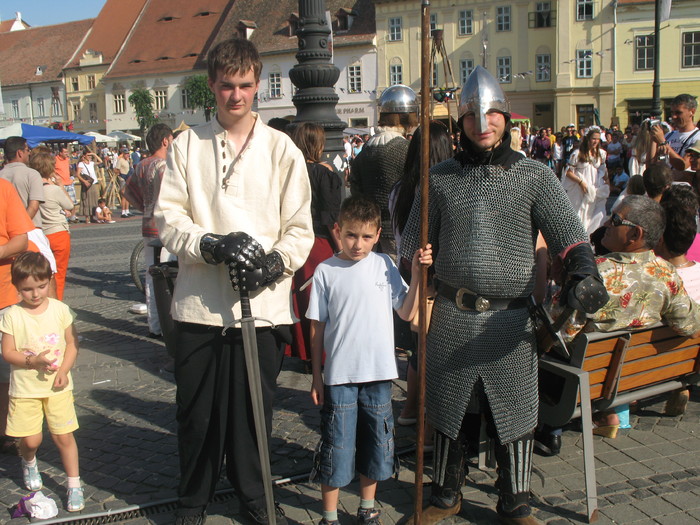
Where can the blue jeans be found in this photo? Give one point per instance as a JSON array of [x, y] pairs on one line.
[[357, 434]]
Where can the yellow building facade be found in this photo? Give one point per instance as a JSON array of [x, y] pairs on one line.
[[679, 67], [85, 93], [556, 60]]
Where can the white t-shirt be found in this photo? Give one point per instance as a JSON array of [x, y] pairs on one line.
[[355, 300], [681, 141]]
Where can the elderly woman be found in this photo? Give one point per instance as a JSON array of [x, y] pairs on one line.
[[54, 223]]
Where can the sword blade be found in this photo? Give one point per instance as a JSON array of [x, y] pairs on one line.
[[250, 348]]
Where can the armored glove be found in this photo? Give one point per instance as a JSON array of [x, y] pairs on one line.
[[583, 288], [246, 280], [238, 248]]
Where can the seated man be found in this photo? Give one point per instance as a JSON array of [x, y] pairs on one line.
[[643, 289]]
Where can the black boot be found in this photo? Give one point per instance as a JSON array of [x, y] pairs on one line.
[[449, 471], [514, 461]]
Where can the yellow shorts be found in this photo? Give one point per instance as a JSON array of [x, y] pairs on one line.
[[26, 415]]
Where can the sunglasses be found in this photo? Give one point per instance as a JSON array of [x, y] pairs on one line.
[[616, 220]]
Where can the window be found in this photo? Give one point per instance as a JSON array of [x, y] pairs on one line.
[[466, 23], [433, 22], [584, 10], [74, 83], [503, 18], [40, 107], [466, 66], [544, 67], [395, 29], [584, 63], [160, 99], [504, 73], [91, 81], [76, 110], [93, 111], [56, 107], [274, 85], [644, 51], [15, 109], [119, 102], [355, 79], [691, 49], [185, 99], [543, 15], [585, 114], [395, 74]]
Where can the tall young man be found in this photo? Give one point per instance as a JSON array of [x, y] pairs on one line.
[[234, 192]]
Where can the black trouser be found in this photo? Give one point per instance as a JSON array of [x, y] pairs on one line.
[[514, 461], [214, 414]]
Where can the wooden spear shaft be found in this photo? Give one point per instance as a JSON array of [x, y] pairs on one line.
[[425, 97]]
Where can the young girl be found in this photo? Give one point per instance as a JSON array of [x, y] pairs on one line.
[[40, 342]]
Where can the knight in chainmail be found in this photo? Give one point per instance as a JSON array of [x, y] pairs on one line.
[[486, 207], [380, 164]]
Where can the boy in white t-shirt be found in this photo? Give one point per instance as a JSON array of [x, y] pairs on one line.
[[353, 295]]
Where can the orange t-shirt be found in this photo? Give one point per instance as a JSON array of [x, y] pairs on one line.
[[14, 221], [63, 170]]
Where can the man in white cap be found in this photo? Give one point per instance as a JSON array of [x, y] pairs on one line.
[[486, 207]]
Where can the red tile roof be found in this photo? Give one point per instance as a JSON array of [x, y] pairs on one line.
[[171, 36], [110, 29], [6, 25], [272, 18], [45, 47]]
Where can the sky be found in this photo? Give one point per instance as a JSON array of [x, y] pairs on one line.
[[48, 12]]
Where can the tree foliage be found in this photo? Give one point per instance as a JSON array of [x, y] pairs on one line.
[[142, 102], [199, 94]]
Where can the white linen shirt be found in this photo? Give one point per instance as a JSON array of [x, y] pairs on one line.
[[265, 193]]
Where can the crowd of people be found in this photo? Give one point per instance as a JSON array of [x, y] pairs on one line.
[[596, 222]]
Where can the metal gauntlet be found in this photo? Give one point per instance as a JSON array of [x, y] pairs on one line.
[[239, 248], [583, 287], [207, 245], [247, 280]]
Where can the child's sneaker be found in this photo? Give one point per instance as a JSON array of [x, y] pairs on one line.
[[76, 499], [368, 517], [32, 477]]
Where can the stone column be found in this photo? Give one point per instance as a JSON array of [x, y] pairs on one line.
[[315, 76]]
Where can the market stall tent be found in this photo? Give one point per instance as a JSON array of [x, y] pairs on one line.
[[35, 135]]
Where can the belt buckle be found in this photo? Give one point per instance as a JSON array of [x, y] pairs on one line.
[[481, 304]]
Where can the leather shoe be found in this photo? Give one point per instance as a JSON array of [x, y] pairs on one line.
[[521, 515], [547, 444], [433, 514]]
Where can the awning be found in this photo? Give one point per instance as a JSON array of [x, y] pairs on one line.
[[35, 135]]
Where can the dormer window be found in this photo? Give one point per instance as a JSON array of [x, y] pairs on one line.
[[345, 17], [203, 13], [39, 70], [163, 58], [246, 28], [167, 18], [136, 61], [293, 24]]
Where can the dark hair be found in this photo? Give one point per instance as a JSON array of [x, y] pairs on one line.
[[234, 56], [440, 149], [278, 123], [12, 146], [681, 206], [635, 186], [688, 101], [360, 209], [30, 264], [657, 178], [310, 139], [101, 199], [156, 135], [407, 121]]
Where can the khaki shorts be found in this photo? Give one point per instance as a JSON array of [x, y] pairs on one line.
[[26, 415]]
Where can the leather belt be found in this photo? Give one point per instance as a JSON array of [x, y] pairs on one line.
[[465, 299]]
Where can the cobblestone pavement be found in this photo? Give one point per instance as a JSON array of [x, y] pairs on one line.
[[125, 401]]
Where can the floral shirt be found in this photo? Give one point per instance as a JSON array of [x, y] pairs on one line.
[[644, 289]]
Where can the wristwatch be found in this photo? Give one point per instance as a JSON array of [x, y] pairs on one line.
[[663, 143]]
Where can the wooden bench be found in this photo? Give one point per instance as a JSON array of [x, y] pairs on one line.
[[611, 369]]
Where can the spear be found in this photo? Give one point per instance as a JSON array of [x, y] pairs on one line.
[[425, 97]]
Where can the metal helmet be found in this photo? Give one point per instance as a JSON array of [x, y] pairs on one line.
[[480, 94], [398, 99]]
